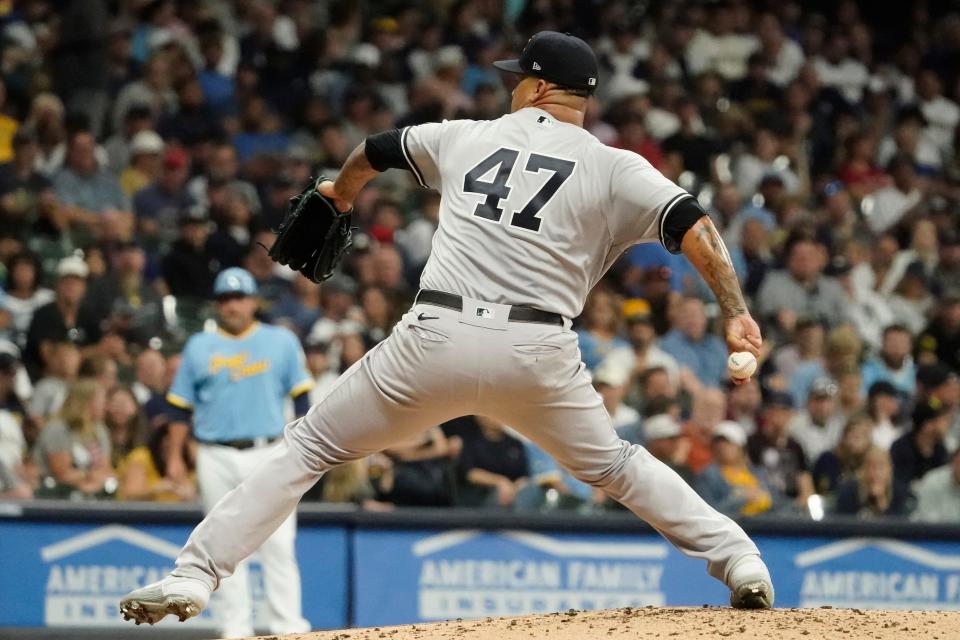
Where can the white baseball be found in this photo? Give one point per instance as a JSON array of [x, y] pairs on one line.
[[741, 364]]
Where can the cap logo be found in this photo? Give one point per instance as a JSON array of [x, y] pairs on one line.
[[536, 67], [592, 82]]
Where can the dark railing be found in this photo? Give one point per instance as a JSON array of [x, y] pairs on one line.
[[457, 518]]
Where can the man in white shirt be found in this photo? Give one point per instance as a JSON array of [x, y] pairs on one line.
[[818, 427], [942, 114], [785, 56], [720, 48], [885, 207], [838, 70]]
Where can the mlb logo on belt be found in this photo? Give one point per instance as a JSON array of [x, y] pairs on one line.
[[483, 312]]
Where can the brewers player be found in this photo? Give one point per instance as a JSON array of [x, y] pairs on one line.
[[235, 382], [533, 211]]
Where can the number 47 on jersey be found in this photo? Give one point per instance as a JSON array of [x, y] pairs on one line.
[[503, 160]]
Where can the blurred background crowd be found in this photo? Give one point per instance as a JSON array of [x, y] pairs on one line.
[[149, 144]]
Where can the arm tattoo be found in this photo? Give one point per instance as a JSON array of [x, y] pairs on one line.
[[704, 247]]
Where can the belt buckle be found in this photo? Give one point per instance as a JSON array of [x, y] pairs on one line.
[[261, 442]]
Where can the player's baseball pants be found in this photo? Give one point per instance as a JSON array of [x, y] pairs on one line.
[[220, 469], [439, 364]]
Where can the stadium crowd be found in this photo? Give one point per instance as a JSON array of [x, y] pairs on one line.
[[149, 144]]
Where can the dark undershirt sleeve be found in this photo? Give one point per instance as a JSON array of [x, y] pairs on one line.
[[678, 219], [384, 151]]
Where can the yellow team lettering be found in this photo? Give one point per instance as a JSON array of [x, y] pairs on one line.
[[237, 365]]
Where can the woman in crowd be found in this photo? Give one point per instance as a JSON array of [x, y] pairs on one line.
[[600, 332], [24, 293], [142, 473], [125, 423], [871, 493], [842, 462], [73, 450], [731, 484]]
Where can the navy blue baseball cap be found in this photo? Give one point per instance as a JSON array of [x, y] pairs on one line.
[[234, 281], [556, 57]]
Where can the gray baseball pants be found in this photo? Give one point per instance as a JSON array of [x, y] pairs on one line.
[[439, 364]]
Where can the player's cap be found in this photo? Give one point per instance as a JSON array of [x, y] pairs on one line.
[[146, 142], [636, 310], [175, 158], [931, 376], [823, 388], [928, 410], [780, 399], [195, 214], [730, 431], [72, 266], [234, 281], [882, 388], [557, 57], [661, 426]]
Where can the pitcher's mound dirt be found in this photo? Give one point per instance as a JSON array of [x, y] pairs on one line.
[[679, 623]]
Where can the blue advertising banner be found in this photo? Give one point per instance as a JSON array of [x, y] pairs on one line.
[[467, 574], [73, 575], [866, 573]]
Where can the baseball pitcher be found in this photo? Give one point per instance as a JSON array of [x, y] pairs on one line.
[[533, 211]]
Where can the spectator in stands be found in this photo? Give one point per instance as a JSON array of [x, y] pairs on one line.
[[893, 364], [13, 484], [709, 408], [806, 346], [73, 451], [273, 288], [158, 205], [142, 473], [872, 492], [62, 364], [125, 423], [744, 402], [693, 347], [843, 461], [643, 338], [146, 163], [917, 452], [421, 472], [153, 91], [662, 437], [26, 195], [320, 366], [888, 206], [63, 319], [126, 299], [493, 466], [189, 267], [599, 335], [818, 426], [938, 494], [24, 295], [883, 407], [610, 380], [938, 383], [731, 484], [83, 185], [941, 339], [801, 288], [119, 146], [912, 299], [150, 374], [777, 454]]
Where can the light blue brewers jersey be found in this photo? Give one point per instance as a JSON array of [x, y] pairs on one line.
[[237, 385]]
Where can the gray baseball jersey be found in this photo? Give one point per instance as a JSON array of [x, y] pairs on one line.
[[533, 211]]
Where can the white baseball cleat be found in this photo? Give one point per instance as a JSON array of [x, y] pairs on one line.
[[182, 597], [750, 584]]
